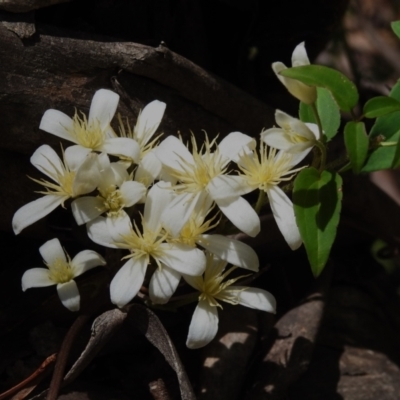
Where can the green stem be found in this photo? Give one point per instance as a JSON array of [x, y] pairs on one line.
[[322, 148], [260, 201]]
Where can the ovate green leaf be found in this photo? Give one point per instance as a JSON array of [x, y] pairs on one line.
[[317, 199], [396, 28], [357, 143], [342, 89], [380, 105]]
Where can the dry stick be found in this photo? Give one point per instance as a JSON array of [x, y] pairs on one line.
[[31, 378], [63, 354]]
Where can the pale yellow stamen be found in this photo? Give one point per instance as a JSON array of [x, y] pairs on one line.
[[60, 271], [112, 200]]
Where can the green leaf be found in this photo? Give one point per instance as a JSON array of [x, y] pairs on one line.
[[317, 204], [328, 112], [357, 143], [396, 28], [342, 89], [381, 105]]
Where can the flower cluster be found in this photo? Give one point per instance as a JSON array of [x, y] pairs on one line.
[[162, 203]]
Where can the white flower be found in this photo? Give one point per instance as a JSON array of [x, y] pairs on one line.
[[61, 271], [148, 121], [213, 287], [171, 259], [78, 174], [93, 133], [203, 174], [116, 191], [227, 249], [306, 94], [266, 172], [293, 136]]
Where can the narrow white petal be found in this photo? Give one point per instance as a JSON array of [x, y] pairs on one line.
[[36, 277], [69, 295], [163, 284], [98, 231], [103, 107], [57, 123], [119, 146], [128, 280], [35, 210], [85, 209], [46, 160], [119, 173], [203, 326], [184, 259], [75, 156], [299, 56], [276, 138], [194, 281], [235, 143], [87, 176], [51, 251], [85, 260], [241, 214], [230, 250], [119, 226], [282, 208], [149, 169], [258, 299], [172, 151], [228, 186], [149, 120], [132, 192], [314, 129], [158, 199]]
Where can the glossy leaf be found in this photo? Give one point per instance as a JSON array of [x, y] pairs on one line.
[[396, 28], [342, 89], [317, 203], [357, 143], [379, 106], [328, 112]]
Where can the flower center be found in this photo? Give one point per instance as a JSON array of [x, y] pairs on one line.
[[89, 135], [293, 136], [112, 200], [60, 271]]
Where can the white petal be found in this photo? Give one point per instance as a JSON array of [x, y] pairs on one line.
[[158, 199], [230, 250], [85, 260], [46, 160], [149, 169], [103, 107], [163, 284], [58, 124], [98, 231], [233, 144], [36, 277], [228, 186], [120, 146], [298, 127], [314, 129], [51, 251], [87, 176], [35, 210], [128, 281], [282, 208], [75, 156], [299, 56], [149, 120], [203, 326], [119, 173], [194, 281], [276, 138], [184, 259], [258, 299], [132, 192], [69, 295], [172, 151], [85, 209], [241, 214]]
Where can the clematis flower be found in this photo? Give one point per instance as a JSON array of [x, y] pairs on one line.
[[266, 172], [116, 192], [230, 250], [171, 259], [77, 174], [293, 136], [306, 94], [214, 287], [61, 271], [93, 133], [203, 175], [148, 121]]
